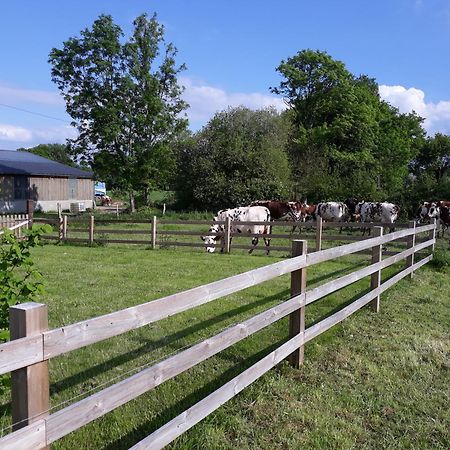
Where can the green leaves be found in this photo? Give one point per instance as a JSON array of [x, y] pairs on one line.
[[346, 141], [238, 157], [20, 281], [124, 98]]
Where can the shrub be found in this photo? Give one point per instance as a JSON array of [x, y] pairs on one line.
[[441, 260], [20, 281]]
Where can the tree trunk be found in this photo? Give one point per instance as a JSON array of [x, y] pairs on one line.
[[132, 204], [146, 195]]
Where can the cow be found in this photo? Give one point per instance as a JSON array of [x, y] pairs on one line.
[[351, 205], [428, 211], [333, 212], [242, 214], [377, 212], [444, 218], [281, 210], [434, 210]]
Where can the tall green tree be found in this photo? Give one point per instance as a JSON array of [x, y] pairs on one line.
[[238, 157], [56, 152], [343, 136], [124, 99]]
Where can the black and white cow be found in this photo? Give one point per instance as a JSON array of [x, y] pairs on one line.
[[333, 212], [243, 214], [428, 211], [377, 212]]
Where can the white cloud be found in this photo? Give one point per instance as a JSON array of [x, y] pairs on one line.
[[12, 133], [13, 137], [206, 100], [13, 95], [436, 115]]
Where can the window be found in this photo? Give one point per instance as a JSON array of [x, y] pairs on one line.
[[20, 187]]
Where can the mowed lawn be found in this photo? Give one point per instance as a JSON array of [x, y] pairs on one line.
[[374, 381]]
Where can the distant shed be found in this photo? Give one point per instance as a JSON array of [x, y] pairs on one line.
[[26, 176]]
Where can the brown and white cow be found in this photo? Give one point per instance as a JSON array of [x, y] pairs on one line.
[[243, 214], [281, 210], [377, 212]]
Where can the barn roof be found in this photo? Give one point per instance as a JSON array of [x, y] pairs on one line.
[[24, 163]]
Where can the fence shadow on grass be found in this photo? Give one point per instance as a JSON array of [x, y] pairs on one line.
[[80, 377], [165, 341], [143, 430]]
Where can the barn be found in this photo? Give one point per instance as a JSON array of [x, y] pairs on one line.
[[25, 176]]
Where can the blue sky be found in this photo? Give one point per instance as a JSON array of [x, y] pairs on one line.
[[231, 49]]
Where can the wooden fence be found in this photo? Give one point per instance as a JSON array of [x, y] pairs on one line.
[[14, 222], [94, 230], [33, 344]]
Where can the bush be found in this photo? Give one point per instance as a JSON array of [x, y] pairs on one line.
[[441, 260], [20, 281]]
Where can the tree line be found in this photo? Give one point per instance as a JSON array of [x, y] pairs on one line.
[[336, 138]]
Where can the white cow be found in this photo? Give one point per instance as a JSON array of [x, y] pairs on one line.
[[333, 211], [377, 212], [243, 214]]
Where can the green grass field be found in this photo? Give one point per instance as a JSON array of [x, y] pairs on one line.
[[374, 381]]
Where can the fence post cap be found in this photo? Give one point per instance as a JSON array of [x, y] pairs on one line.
[[28, 305]]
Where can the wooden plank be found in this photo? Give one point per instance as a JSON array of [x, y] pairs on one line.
[[375, 278], [71, 337], [343, 237], [79, 414], [112, 231], [191, 222], [319, 230], [30, 392], [180, 424], [262, 247], [31, 437], [297, 318], [20, 353], [154, 232], [364, 224], [339, 283], [335, 252], [410, 244], [326, 324]]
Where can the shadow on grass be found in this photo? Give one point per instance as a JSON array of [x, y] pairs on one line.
[[80, 377], [165, 341], [170, 412]]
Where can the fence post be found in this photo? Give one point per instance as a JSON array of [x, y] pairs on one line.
[[61, 229], [227, 235], [432, 234], [410, 243], [30, 211], [154, 232], [65, 228], [91, 230], [319, 228], [375, 278], [297, 318], [30, 385]]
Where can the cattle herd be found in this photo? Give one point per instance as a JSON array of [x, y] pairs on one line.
[[351, 210]]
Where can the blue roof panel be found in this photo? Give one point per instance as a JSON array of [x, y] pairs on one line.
[[24, 163]]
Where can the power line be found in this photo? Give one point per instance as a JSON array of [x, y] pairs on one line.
[[35, 113]]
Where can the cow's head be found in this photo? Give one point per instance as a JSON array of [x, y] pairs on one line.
[[211, 239]]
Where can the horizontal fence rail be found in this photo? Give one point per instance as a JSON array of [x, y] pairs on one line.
[[41, 346], [14, 222], [98, 231]]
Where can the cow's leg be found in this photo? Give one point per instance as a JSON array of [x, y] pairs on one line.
[[254, 243], [267, 243]]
